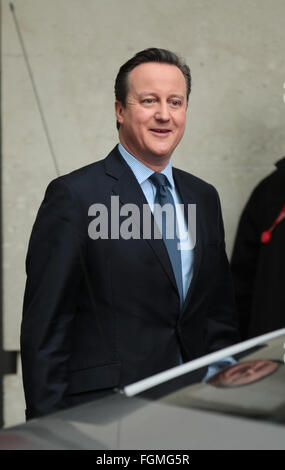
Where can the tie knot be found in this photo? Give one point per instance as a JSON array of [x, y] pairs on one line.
[[159, 180]]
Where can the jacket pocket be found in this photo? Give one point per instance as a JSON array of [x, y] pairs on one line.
[[95, 378]]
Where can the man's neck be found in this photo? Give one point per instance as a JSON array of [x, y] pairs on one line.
[[155, 163]]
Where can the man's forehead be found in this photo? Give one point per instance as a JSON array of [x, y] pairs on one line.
[[153, 76]]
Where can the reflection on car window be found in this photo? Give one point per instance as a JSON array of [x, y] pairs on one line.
[[243, 373], [253, 388]]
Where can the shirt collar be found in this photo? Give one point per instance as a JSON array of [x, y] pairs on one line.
[[141, 171]]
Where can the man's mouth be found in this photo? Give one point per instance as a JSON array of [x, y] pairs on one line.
[[161, 131]]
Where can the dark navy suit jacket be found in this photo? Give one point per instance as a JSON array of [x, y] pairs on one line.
[[100, 314]]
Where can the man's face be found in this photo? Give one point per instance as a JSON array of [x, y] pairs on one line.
[[243, 373], [153, 121]]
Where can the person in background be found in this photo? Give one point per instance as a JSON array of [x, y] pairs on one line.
[[258, 259]]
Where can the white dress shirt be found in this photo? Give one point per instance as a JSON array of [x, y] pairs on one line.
[[142, 174]]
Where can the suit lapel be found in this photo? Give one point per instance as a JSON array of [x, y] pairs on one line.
[[189, 197], [129, 191]]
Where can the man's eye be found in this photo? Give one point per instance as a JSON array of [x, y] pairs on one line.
[[148, 100], [176, 103]]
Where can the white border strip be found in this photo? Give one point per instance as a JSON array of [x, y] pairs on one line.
[[145, 384]]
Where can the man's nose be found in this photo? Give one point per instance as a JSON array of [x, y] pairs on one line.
[[162, 112]]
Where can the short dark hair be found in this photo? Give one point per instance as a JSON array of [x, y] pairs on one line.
[[151, 54]]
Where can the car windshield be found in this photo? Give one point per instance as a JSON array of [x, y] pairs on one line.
[[252, 387]]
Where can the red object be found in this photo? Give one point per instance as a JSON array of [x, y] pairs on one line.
[[266, 235]]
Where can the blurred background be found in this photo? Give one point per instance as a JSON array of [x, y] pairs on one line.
[[236, 115]]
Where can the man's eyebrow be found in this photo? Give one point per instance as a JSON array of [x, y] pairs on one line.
[[144, 93], [175, 95], [152, 93]]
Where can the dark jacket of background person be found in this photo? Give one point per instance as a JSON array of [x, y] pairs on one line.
[[258, 268]]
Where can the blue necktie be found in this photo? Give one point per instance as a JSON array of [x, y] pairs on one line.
[[164, 196]]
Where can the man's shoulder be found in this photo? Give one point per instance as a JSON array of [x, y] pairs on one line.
[[88, 179], [79, 182], [196, 183], [88, 172], [270, 187]]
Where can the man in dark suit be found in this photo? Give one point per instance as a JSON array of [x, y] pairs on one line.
[[106, 306]]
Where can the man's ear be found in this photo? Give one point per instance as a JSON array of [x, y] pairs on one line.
[[119, 110]]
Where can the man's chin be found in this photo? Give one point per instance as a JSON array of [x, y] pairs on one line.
[[160, 154]]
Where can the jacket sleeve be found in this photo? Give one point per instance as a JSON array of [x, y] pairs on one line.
[[54, 273]]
